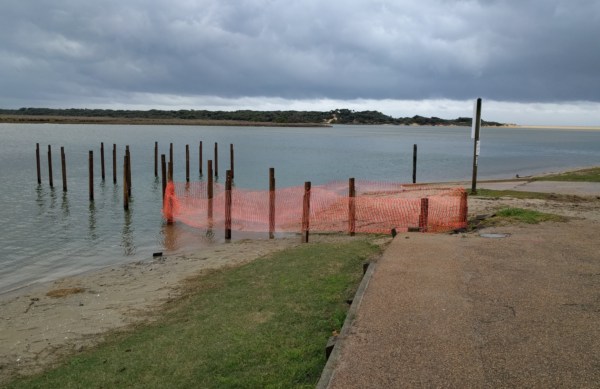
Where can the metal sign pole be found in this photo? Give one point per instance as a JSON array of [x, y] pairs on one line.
[[476, 146]]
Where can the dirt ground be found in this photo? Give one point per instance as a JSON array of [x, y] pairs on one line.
[[40, 325]]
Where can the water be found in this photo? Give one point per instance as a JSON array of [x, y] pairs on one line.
[[46, 234]]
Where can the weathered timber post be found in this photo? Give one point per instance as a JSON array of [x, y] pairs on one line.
[[125, 185], [37, 162], [50, 166], [424, 216], [171, 155], [91, 174], [170, 174], [414, 164], [306, 212], [351, 207], [463, 209], [129, 185], [200, 158], [271, 203], [163, 168], [228, 205], [102, 160], [231, 160], [476, 144], [187, 163], [114, 163], [63, 163], [216, 159], [155, 159], [209, 191]]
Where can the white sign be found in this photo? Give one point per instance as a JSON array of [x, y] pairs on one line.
[[477, 148], [473, 121]]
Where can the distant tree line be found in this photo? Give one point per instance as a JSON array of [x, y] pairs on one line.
[[338, 116]]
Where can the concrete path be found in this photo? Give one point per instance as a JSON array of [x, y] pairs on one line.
[[465, 311]]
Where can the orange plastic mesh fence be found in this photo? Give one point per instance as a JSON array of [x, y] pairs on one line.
[[378, 207]]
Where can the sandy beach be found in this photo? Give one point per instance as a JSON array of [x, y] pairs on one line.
[[43, 323]]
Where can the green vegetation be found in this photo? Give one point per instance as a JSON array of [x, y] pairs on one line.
[[261, 325], [584, 175], [338, 116], [516, 194], [519, 215]]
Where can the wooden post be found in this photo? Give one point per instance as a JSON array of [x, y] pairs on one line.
[[209, 192], [50, 166], [476, 147], [231, 160], [228, 205], [63, 163], [170, 172], [125, 184], [129, 185], [463, 210], [306, 212], [216, 159], [200, 158], [271, 203], [102, 159], [114, 163], [351, 207], [171, 154], [187, 163], [414, 164], [163, 168], [91, 171], [155, 159], [424, 216], [37, 161]]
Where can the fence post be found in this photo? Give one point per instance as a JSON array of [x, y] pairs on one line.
[[414, 164], [125, 185], [91, 171], [231, 159], [37, 161], [63, 163], [228, 205], [463, 210], [209, 191], [200, 158], [351, 207], [271, 203], [163, 170], [128, 171], [424, 216], [102, 160], [216, 162], [50, 167], [187, 163], [306, 212], [114, 163]]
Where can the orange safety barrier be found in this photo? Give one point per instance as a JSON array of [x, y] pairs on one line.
[[378, 207]]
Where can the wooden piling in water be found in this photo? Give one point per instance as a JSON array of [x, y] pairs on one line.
[[102, 160], [63, 163], [231, 160], [228, 180], [200, 158], [125, 185], [114, 155], [170, 158], [306, 212], [414, 176], [50, 179], [424, 216], [37, 162], [351, 207], [129, 185], [187, 163], [216, 161], [155, 159], [91, 174], [209, 191], [163, 169], [271, 203]]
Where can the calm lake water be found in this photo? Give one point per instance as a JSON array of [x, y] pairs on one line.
[[46, 234]]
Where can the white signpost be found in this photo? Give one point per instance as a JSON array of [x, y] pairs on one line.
[[475, 127]]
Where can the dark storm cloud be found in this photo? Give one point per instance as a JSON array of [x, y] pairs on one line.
[[70, 50]]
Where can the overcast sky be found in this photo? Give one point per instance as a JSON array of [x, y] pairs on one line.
[[532, 61]]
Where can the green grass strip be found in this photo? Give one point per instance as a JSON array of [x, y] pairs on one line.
[[520, 215], [261, 325], [583, 175]]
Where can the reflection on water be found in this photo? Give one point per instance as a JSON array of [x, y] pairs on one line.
[[92, 221], [65, 205], [127, 241], [169, 234]]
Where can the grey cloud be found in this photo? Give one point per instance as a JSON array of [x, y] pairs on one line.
[[538, 50]]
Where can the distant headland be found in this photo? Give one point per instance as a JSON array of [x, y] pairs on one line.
[[223, 118]]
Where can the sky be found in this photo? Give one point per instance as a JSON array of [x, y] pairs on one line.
[[531, 61]]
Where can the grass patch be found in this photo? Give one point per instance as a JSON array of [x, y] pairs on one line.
[[261, 325], [583, 175], [516, 194], [519, 215]]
